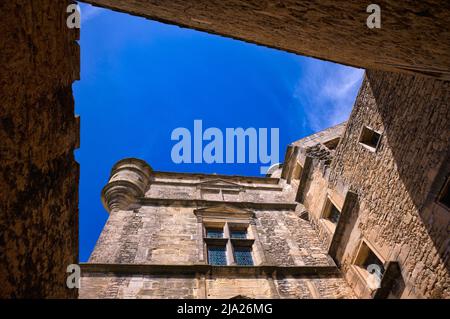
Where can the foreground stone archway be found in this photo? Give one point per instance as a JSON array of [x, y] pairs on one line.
[[414, 36]]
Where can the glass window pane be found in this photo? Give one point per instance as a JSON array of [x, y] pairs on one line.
[[240, 234], [214, 233], [217, 255], [243, 256]]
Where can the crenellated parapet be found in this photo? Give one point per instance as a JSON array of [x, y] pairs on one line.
[[130, 179]]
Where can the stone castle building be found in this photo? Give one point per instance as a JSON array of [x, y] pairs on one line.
[[400, 199], [360, 210]]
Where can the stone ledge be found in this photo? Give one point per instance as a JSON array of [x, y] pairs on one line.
[[306, 271], [197, 184], [235, 178], [209, 203]]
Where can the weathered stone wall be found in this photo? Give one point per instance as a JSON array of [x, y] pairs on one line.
[[397, 184], [313, 288], [147, 286], [315, 194], [264, 194], [170, 235], [157, 234], [286, 287], [39, 57], [413, 35], [314, 156], [110, 286], [288, 240], [229, 287], [240, 189]]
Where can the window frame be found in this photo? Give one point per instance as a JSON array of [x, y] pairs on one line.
[[250, 250], [326, 211], [214, 228], [234, 232], [297, 171], [209, 246], [361, 138], [357, 261], [444, 189], [230, 218]]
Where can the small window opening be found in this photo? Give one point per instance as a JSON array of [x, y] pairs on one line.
[[369, 263], [332, 144], [444, 195], [331, 213], [238, 234], [369, 138], [334, 214]]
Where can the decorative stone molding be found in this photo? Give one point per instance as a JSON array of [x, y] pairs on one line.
[[220, 184], [130, 179], [157, 269], [224, 212]]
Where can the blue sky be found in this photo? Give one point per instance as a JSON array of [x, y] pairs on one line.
[[141, 79]]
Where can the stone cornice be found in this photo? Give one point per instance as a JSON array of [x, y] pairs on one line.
[[235, 178], [210, 203], [196, 184], [192, 269], [130, 179]]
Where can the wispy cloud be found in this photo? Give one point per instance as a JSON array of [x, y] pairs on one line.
[[327, 92], [89, 12]]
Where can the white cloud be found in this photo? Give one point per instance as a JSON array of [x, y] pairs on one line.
[[327, 92], [89, 12]]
